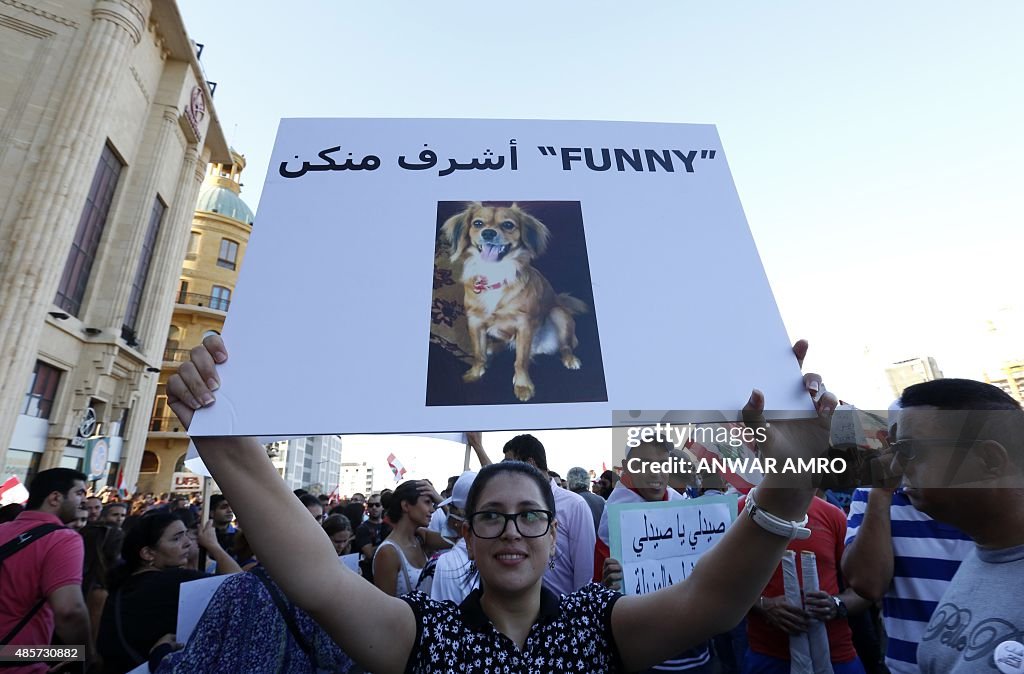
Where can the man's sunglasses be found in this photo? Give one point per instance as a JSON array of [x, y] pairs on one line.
[[911, 448]]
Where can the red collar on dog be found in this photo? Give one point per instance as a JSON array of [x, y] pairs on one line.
[[480, 284]]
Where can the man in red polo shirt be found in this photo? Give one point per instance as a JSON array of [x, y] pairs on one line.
[[43, 580], [772, 619]]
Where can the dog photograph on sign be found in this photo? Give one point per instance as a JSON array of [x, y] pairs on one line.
[[512, 315]]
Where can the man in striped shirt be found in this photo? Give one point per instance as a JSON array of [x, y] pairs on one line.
[[897, 554]]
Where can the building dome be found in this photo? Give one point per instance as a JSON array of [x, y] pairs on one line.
[[216, 198]]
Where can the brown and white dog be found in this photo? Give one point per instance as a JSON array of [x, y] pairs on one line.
[[507, 300]]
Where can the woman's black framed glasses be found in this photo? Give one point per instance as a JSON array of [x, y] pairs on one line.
[[529, 523]]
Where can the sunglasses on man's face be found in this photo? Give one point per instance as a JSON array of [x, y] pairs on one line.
[[913, 448]]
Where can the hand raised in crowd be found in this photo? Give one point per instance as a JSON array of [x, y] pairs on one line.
[[787, 617], [475, 439], [192, 387], [611, 574], [427, 489], [207, 538], [797, 438]]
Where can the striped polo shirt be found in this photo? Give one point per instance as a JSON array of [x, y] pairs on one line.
[[926, 555]]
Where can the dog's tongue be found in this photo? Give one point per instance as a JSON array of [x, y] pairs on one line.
[[490, 252]]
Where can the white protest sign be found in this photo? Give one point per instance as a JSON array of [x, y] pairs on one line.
[[351, 561], [195, 463], [494, 275], [193, 598], [658, 544]]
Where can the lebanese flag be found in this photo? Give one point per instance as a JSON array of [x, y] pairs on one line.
[[396, 467], [13, 491], [121, 491]]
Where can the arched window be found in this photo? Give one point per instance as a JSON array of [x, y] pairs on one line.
[[179, 465], [150, 463]]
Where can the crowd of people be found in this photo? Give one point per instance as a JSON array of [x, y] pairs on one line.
[[510, 568]]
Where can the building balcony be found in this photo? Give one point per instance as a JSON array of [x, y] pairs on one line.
[[166, 427], [204, 301], [176, 355]]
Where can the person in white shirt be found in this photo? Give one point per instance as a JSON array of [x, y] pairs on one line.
[[455, 576], [573, 563]]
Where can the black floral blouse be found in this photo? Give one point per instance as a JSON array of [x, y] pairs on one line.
[[572, 634]]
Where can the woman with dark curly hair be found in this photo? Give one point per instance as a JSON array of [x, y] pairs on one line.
[[143, 602]]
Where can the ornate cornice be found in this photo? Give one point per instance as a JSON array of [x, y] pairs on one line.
[[38, 12], [29, 29]]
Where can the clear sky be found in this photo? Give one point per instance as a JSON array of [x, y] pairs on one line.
[[876, 146]]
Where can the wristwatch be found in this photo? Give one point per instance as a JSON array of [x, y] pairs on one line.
[[841, 610]]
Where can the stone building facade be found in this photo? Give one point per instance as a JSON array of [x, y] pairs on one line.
[[107, 125], [216, 247]]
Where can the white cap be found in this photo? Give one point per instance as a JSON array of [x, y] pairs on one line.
[[460, 492]]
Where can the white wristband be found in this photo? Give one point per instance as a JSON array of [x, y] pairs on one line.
[[776, 525]]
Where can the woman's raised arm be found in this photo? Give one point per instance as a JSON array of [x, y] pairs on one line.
[[374, 629], [731, 576]]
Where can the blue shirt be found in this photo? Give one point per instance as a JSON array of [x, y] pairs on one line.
[[926, 555]]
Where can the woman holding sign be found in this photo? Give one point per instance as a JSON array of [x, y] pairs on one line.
[[510, 535]]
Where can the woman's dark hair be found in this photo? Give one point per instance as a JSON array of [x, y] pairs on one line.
[[187, 517], [407, 492], [10, 511], [353, 512], [336, 523], [508, 468], [102, 548], [145, 534]]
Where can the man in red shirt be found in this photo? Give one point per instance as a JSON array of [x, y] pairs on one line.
[[772, 619], [48, 570]]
